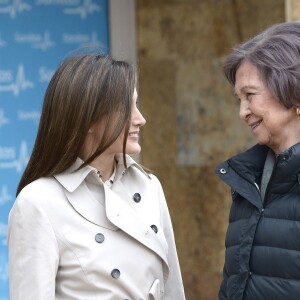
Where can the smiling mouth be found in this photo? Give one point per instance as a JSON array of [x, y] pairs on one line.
[[133, 134], [254, 125]]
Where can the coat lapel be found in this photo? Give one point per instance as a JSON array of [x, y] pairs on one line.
[[88, 207], [112, 209], [119, 189], [123, 215]]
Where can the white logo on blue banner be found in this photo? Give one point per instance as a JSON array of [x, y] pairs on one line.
[[35, 36]]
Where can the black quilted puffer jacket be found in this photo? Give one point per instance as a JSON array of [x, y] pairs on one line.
[[262, 260]]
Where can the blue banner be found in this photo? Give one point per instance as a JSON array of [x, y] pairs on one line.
[[35, 36]]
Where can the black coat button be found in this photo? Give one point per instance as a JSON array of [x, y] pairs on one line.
[[115, 273], [155, 229], [99, 238], [137, 197]]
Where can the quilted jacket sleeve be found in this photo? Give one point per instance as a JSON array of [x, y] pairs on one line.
[[223, 289]]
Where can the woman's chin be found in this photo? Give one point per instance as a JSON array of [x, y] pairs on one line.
[[133, 150]]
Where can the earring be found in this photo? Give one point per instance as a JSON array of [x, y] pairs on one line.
[[298, 111]]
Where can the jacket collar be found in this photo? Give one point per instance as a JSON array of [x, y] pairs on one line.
[[287, 169], [249, 165], [72, 177], [251, 162]]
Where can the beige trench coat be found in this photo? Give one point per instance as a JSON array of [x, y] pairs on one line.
[[73, 237]]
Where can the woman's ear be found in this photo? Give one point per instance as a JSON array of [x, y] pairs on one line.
[[92, 128]]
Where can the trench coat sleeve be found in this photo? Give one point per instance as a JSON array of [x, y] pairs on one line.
[[174, 289], [33, 252]]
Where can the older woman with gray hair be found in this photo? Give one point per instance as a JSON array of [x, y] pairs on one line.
[[262, 259]]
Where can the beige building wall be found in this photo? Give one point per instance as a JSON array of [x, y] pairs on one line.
[[292, 10], [192, 118]]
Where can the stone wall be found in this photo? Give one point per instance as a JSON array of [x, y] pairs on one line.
[[192, 118]]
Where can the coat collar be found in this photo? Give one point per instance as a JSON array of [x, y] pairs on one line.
[[72, 177], [242, 171], [251, 163], [112, 209]]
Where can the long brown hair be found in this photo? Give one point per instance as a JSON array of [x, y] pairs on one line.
[[85, 89]]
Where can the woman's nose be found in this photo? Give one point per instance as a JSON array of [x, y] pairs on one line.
[[244, 112], [137, 118]]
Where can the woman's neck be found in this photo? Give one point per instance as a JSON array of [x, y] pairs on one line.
[[105, 165]]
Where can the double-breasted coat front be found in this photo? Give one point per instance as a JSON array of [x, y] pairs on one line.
[[74, 237]]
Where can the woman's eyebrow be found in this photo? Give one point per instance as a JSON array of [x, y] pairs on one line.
[[246, 87]]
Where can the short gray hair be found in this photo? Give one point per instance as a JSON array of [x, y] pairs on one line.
[[276, 54]]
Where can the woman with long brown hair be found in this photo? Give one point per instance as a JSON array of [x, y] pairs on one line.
[[88, 221]]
